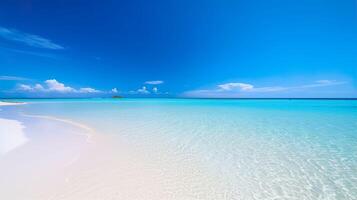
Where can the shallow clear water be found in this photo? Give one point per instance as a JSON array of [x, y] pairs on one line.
[[256, 149]]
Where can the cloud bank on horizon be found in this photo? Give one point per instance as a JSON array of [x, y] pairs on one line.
[[237, 89], [52, 87]]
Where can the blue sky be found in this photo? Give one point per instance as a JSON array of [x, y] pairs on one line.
[[184, 48]]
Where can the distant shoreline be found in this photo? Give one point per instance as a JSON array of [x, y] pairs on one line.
[[6, 103]]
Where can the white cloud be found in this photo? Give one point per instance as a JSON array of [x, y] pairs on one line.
[[325, 81], [114, 90], [12, 78], [234, 89], [143, 90], [234, 86], [25, 87], [88, 90], [29, 39], [54, 85], [158, 82], [29, 88], [319, 83], [38, 87], [32, 53]]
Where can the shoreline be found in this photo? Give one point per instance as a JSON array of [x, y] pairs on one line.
[[15, 128], [58, 163], [19, 126], [12, 135], [88, 129], [4, 103], [43, 149], [12, 132]]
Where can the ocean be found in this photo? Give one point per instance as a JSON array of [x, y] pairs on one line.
[[251, 149]]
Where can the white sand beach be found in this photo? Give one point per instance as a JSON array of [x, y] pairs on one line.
[[3, 103], [62, 159], [11, 135], [11, 132]]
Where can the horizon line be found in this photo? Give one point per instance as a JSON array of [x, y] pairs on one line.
[[215, 98]]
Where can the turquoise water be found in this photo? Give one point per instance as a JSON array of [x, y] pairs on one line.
[[257, 149]]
